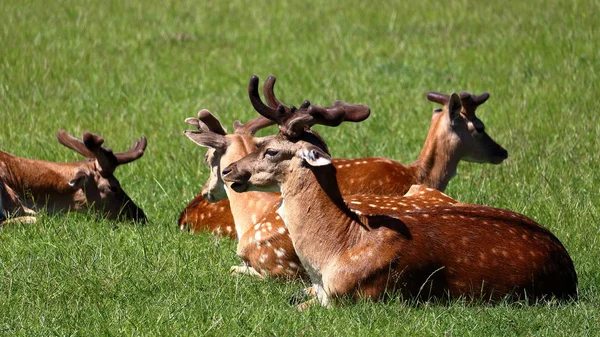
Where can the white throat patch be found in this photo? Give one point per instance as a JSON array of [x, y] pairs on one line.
[[281, 211]]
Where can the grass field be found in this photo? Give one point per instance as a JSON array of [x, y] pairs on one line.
[[130, 68]]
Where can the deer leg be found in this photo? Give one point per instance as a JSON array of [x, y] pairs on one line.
[[20, 220], [11, 203], [245, 270], [307, 304]]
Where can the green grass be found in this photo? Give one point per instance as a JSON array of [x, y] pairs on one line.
[[130, 68]]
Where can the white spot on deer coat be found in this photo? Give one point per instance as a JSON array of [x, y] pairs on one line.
[[280, 252]]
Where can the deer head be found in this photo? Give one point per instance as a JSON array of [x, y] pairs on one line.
[[268, 167], [265, 169], [458, 125], [223, 147], [97, 181]]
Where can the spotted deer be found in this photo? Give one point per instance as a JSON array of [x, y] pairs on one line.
[[27, 185], [462, 251], [264, 243], [455, 134], [202, 215]]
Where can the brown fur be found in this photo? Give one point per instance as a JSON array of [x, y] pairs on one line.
[[470, 251], [203, 216], [28, 184], [264, 243], [446, 144]]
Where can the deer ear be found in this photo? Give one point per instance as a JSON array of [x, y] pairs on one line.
[[454, 107], [207, 139], [79, 179], [314, 156]]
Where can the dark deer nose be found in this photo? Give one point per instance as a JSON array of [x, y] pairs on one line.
[[226, 171], [504, 153]]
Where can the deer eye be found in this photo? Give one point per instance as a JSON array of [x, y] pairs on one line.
[[271, 153]]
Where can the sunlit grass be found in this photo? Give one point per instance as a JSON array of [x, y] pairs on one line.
[[132, 68]]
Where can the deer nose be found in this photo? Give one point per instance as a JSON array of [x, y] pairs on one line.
[[504, 154], [226, 171]]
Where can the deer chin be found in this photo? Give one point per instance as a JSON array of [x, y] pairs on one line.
[[239, 187], [497, 160]]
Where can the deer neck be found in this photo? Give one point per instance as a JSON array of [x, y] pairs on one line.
[[437, 163], [318, 220], [249, 207]]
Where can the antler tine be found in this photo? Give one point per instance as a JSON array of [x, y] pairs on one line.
[[480, 99], [438, 97], [194, 121], [331, 116], [269, 112], [470, 102], [136, 152], [73, 143], [237, 124], [272, 101], [211, 122], [354, 112], [252, 126], [92, 141], [105, 157]]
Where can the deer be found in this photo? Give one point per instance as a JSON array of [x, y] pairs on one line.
[[201, 215], [455, 134], [29, 185], [474, 252], [264, 245]]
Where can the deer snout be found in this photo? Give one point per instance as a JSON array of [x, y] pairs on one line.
[[139, 216], [499, 155], [134, 214], [238, 178], [503, 154]]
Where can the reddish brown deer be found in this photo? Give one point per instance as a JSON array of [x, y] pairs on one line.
[[469, 251], [28, 184], [455, 134], [264, 243]]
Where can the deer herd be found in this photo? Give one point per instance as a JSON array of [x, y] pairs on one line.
[[353, 228]]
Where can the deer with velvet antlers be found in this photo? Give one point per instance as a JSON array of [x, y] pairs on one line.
[[442, 252], [27, 185], [455, 134], [264, 243]]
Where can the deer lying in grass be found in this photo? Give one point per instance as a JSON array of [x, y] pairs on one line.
[[264, 243], [469, 251], [455, 134], [27, 184]]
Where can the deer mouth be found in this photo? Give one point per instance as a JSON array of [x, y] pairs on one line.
[[497, 160], [239, 187], [500, 158]]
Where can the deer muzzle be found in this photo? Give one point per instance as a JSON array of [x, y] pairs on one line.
[[238, 179]]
